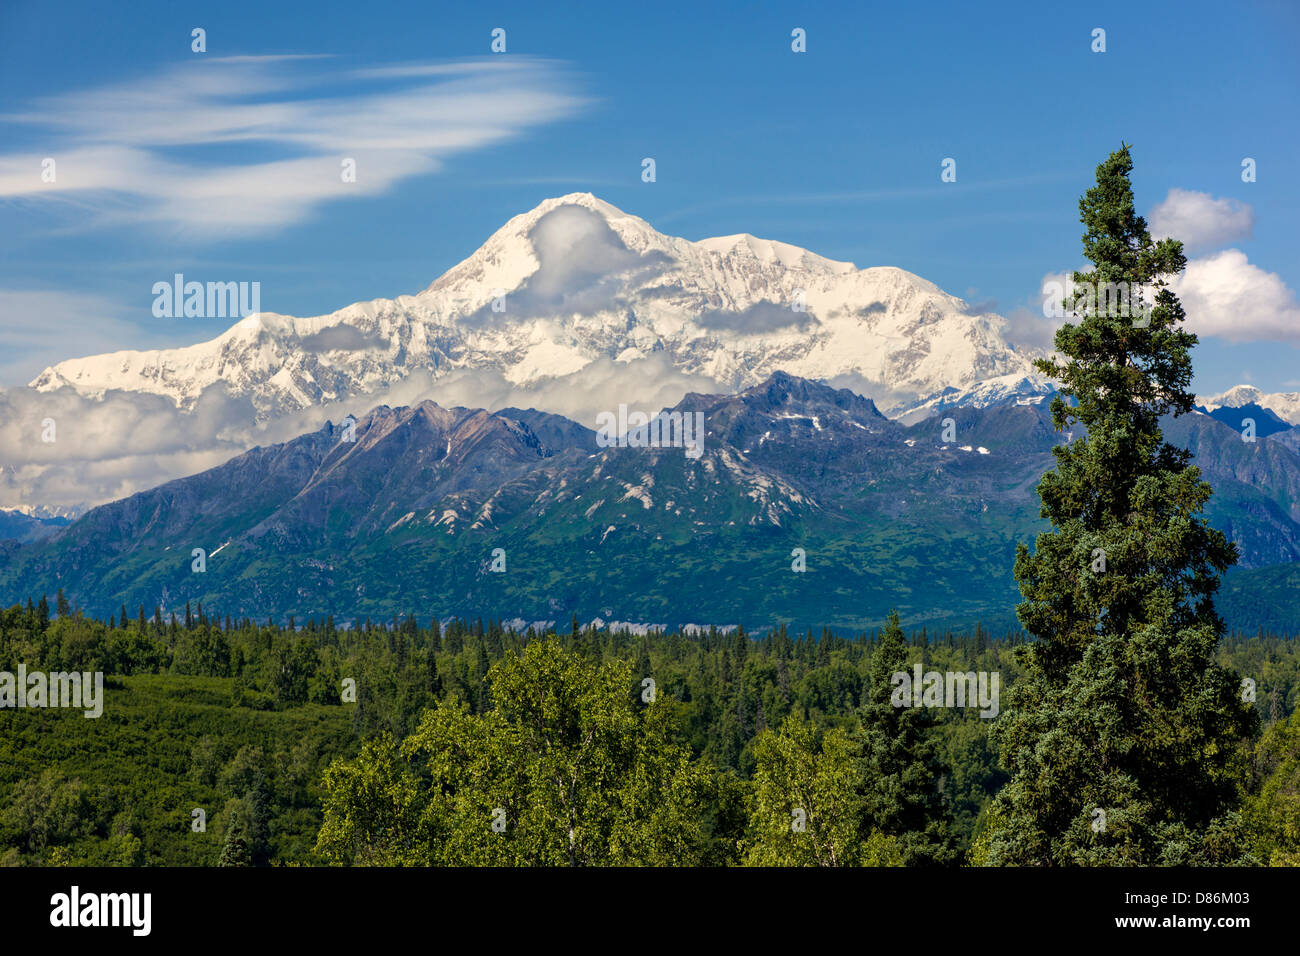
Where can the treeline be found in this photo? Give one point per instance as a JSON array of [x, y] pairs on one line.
[[720, 748]]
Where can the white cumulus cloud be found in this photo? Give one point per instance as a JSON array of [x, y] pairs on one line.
[[1201, 221], [1225, 295]]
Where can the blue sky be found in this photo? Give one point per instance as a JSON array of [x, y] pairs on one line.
[[837, 149]]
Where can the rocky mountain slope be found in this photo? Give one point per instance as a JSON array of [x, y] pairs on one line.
[[523, 515], [18, 526]]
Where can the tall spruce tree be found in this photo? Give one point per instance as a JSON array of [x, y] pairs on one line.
[[1122, 738], [902, 769]]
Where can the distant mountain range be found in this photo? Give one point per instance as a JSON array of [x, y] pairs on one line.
[[1264, 421], [408, 517], [1284, 405], [827, 391], [564, 308], [19, 526]]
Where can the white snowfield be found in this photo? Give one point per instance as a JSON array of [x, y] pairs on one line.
[[1285, 405], [733, 308]]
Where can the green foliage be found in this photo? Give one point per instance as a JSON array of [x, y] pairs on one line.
[[808, 803], [864, 793], [372, 809], [234, 850], [1273, 812], [903, 773], [279, 776], [1122, 708], [563, 770]]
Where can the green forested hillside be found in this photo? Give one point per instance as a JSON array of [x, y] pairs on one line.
[[122, 789], [245, 720]]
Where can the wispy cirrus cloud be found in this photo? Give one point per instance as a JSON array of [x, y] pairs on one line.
[[245, 145]]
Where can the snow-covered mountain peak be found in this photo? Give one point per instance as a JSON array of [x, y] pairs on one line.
[[1234, 397], [576, 281], [1286, 405], [509, 256], [771, 251]]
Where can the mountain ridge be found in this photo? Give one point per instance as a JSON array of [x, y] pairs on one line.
[[409, 517], [1285, 405]]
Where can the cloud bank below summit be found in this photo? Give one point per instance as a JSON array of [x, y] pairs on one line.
[[125, 442]]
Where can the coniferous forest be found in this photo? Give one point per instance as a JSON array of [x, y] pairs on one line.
[[245, 721]]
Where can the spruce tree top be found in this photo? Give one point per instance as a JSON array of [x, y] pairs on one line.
[[1131, 544], [1118, 370]]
